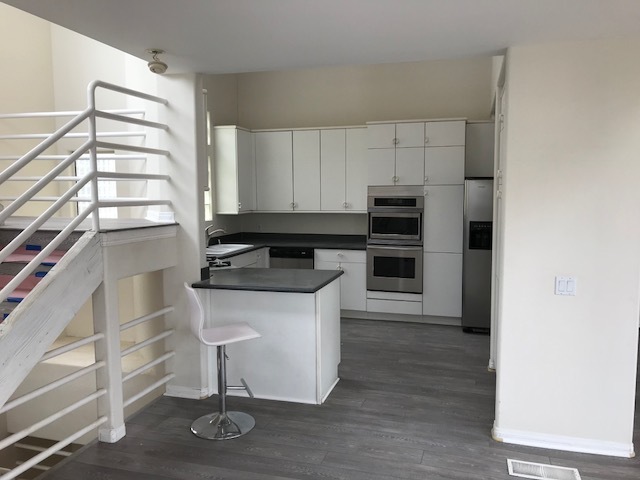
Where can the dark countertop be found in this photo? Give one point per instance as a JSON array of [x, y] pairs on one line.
[[260, 240], [270, 279]]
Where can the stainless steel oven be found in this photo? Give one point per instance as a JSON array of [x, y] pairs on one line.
[[395, 215], [394, 268]]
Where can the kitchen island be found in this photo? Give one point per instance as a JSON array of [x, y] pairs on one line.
[[297, 312]]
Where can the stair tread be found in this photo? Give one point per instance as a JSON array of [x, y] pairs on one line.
[[23, 255], [25, 286]]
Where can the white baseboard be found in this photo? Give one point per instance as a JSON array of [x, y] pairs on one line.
[[397, 317], [559, 442], [186, 392]]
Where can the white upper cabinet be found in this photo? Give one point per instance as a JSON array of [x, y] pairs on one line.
[[381, 135], [234, 170], [409, 166], [274, 170], [381, 166], [342, 169], [333, 169], [445, 133], [306, 171], [444, 152], [409, 135], [356, 170], [444, 166]]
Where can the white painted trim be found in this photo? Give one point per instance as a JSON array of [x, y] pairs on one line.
[[187, 392], [124, 237], [329, 390], [397, 317], [111, 435], [560, 442]]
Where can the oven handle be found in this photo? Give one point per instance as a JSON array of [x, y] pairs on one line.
[[394, 247], [406, 210]]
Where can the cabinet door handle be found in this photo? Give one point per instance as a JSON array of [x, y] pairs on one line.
[[345, 204], [339, 254], [395, 179], [426, 179], [339, 267], [239, 204], [426, 139], [395, 141], [293, 205]]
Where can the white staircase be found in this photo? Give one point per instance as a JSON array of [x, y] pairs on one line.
[[39, 299]]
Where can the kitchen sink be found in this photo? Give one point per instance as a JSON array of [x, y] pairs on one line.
[[225, 248]]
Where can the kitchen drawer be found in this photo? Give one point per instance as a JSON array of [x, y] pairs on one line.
[[340, 256], [394, 306]]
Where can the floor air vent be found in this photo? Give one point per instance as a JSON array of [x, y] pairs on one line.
[[540, 471]]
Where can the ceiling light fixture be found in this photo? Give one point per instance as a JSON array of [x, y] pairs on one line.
[[156, 65]]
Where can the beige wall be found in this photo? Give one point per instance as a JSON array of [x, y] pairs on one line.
[[344, 96], [567, 368], [25, 86], [356, 95]]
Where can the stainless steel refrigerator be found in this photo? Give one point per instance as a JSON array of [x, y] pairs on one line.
[[476, 260]]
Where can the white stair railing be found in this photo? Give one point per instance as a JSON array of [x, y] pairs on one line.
[[88, 149], [143, 379]]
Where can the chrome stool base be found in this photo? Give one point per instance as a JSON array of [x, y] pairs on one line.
[[216, 426]]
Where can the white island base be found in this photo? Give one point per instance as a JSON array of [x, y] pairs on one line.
[[297, 358]]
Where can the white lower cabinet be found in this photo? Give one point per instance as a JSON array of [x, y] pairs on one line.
[[254, 259], [442, 284], [353, 283]]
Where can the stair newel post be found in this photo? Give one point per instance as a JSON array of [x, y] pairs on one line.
[[106, 320], [93, 156]]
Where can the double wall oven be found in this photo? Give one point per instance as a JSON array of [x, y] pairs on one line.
[[394, 239]]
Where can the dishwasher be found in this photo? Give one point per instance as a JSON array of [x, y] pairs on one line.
[[291, 257]]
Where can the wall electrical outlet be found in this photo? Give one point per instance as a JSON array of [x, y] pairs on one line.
[[565, 286]]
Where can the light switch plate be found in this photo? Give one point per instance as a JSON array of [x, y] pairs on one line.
[[565, 286]]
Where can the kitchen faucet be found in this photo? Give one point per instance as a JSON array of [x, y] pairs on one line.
[[210, 234]]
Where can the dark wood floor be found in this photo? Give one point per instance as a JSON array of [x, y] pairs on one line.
[[414, 402]]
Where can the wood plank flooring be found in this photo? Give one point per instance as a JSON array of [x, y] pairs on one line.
[[414, 402]]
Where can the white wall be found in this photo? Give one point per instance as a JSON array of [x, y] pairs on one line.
[[567, 374]]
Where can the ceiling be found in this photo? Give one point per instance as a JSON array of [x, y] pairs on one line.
[[230, 36]]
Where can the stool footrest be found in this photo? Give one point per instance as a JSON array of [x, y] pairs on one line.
[[244, 386]]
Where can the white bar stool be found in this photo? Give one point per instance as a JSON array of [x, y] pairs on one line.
[[221, 425]]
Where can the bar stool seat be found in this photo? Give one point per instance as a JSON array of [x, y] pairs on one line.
[[221, 425]]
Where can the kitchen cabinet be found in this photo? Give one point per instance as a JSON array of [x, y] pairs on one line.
[[445, 133], [395, 153], [306, 171], [274, 170], [443, 218], [254, 259], [234, 170], [442, 284], [343, 185], [355, 171], [444, 152], [288, 170], [332, 169], [353, 283]]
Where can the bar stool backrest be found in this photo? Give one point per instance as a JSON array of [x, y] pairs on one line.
[[196, 312]]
